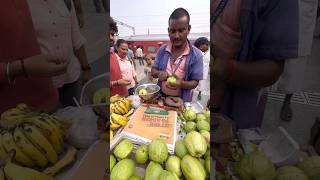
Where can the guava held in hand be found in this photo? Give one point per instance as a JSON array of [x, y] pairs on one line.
[[143, 92], [172, 80]]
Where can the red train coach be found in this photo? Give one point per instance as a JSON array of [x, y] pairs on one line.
[[151, 43]]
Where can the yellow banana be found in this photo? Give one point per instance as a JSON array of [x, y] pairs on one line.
[[120, 109], [114, 98], [51, 133], [123, 106], [39, 140], [3, 152], [129, 113], [16, 172], [119, 119], [9, 145], [117, 109], [114, 125], [66, 160], [126, 102], [28, 148], [55, 123], [56, 128]]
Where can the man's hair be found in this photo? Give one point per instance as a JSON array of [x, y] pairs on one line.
[[120, 41], [200, 41], [113, 25], [179, 13]]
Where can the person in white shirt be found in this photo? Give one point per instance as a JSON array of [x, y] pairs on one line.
[[202, 43], [139, 56]]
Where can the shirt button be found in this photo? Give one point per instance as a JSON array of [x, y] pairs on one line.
[[58, 47], [54, 23], [50, 12], [55, 35]]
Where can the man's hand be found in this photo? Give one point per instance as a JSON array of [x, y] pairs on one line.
[[123, 82], [176, 85], [162, 76], [40, 66], [220, 68]]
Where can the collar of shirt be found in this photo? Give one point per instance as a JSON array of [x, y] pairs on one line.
[[185, 52], [121, 59]]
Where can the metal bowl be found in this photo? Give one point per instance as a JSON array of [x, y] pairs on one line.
[[152, 91]]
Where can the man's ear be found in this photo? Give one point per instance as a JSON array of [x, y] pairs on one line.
[[168, 30], [189, 27]]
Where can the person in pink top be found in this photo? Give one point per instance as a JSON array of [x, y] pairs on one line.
[[58, 34], [126, 67], [25, 73]]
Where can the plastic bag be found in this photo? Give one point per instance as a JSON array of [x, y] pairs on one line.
[[135, 101], [83, 131]]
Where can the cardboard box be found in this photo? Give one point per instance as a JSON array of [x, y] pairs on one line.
[[94, 164]]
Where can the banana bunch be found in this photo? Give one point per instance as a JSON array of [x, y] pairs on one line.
[[11, 170], [120, 105], [36, 138], [116, 121]]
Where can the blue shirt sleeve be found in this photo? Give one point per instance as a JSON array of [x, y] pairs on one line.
[[196, 69], [279, 28]]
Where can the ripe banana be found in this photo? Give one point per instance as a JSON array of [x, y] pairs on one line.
[[129, 113], [9, 145], [126, 102], [66, 160], [39, 140], [119, 119], [12, 117], [115, 109], [123, 106], [57, 130], [3, 152], [53, 136], [63, 129], [114, 125], [16, 172], [28, 148], [114, 98]]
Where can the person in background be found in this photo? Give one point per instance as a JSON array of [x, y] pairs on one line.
[[131, 57], [58, 34], [148, 67], [126, 67], [117, 85], [178, 58], [25, 73], [291, 81], [139, 55], [203, 44]]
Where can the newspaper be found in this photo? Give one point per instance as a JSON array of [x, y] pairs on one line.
[[149, 123]]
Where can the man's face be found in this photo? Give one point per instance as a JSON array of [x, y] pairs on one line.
[[204, 47], [123, 50], [112, 35], [178, 31]]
